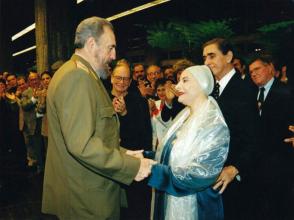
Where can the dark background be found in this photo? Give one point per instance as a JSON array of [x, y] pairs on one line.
[[131, 30]]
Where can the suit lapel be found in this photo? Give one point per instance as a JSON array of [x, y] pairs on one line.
[[271, 96], [230, 88]]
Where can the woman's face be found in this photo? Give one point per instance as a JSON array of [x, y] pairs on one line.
[[188, 88], [2, 87], [120, 79], [161, 92], [46, 80]]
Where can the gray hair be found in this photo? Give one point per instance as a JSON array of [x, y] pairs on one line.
[[90, 27]]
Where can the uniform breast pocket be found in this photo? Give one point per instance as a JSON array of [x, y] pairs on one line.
[[107, 112], [107, 124]]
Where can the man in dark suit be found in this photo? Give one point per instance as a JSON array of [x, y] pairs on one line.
[[234, 97], [274, 169]]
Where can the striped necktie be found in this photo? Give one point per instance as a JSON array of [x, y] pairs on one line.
[[260, 99], [215, 92]]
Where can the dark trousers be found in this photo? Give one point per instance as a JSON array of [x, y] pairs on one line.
[[236, 201]]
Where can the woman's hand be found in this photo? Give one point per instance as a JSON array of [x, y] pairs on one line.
[[119, 105]]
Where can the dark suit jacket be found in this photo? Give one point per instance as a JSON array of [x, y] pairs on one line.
[[277, 114], [238, 107], [135, 126], [167, 113]]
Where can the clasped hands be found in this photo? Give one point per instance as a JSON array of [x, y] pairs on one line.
[[119, 105], [145, 164]]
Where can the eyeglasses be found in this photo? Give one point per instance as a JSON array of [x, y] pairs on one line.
[[121, 78], [154, 73]]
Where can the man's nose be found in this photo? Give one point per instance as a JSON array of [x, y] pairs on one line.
[[113, 54], [207, 61]]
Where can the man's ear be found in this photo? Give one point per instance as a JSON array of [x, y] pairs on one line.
[[272, 68], [229, 56], [90, 44]]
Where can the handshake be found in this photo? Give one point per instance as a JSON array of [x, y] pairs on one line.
[[145, 165]]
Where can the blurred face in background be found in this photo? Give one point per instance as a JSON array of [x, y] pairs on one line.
[[169, 73], [21, 85], [153, 73], [238, 65], [120, 79], [33, 80], [2, 88], [138, 72], [45, 80], [11, 81], [160, 91]]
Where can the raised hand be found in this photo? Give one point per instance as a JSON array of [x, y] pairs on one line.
[[119, 105], [171, 92]]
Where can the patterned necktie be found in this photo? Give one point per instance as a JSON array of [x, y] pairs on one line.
[[215, 92], [260, 99]]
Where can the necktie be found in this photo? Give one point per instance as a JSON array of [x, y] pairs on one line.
[[260, 99], [215, 92]]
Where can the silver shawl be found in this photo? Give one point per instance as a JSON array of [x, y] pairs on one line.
[[199, 152]]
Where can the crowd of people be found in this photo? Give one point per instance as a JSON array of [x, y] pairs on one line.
[[214, 140]]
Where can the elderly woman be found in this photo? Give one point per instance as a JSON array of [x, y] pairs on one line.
[[135, 134], [191, 154]]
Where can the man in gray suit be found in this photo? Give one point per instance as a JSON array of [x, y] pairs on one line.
[[85, 164], [32, 122]]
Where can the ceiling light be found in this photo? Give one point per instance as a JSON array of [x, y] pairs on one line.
[[24, 31], [122, 14], [23, 51], [137, 9], [30, 28]]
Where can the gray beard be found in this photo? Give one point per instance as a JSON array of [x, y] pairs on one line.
[[103, 73]]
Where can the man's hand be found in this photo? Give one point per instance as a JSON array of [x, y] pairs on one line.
[[226, 176], [135, 153], [291, 139], [145, 169], [144, 90]]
